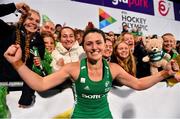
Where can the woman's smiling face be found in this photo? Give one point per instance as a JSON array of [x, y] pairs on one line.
[[94, 45]]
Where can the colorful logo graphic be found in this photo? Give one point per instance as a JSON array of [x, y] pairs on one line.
[[105, 19], [163, 7]]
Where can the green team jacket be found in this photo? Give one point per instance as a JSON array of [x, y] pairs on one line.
[[90, 96]]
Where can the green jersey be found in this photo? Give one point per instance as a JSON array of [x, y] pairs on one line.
[[91, 96]]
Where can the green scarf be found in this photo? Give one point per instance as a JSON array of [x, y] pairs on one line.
[[45, 64]]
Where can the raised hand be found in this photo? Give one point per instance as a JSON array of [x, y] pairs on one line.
[[177, 76], [22, 7], [173, 68], [13, 54]]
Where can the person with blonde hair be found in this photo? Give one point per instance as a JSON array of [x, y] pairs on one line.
[[169, 44], [124, 57], [129, 39], [25, 33]]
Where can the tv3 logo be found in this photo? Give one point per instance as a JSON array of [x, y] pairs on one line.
[[163, 7]]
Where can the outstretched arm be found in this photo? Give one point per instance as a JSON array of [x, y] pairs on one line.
[[6, 9], [13, 55], [139, 84]]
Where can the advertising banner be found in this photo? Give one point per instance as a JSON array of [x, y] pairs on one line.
[[140, 6]]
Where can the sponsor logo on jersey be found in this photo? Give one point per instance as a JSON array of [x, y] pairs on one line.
[[91, 96], [83, 67], [82, 80], [86, 88], [107, 84]]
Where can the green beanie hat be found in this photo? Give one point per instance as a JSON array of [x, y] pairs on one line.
[[45, 18]]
